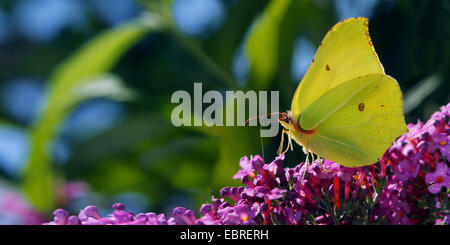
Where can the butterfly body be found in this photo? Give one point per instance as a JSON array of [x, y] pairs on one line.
[[346, 109]]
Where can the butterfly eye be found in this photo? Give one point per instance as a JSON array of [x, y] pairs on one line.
[[284, 117]]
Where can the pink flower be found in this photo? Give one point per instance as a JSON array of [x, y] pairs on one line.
[[246, 169], [406, 169], [438, 179]]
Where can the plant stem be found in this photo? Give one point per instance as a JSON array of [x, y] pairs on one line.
[[197, 52], [163, 11]]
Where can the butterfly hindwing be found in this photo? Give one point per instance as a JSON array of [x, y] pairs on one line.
[[357, 121]]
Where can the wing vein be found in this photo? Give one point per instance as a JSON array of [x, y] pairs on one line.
[[367, 121], [338, 107], [342, 143]]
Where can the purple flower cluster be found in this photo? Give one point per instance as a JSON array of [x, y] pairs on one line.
[[409, 186], [91, 216], [271, 195], [419, 164]]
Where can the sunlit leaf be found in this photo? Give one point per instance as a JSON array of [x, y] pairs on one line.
[[229, 36], [106, 86], [262, 44], [307, 19], [420, 91]]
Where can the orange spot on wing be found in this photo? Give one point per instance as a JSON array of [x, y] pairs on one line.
[[361, 107]]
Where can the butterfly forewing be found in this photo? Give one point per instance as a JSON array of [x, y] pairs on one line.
[[345, 53]]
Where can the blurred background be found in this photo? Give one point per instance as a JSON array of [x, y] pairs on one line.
[[85, 88]]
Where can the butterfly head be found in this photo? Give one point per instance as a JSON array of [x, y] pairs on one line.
[[285, 119], [289, 123]]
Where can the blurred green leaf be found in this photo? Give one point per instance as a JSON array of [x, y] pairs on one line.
[[107, 86], [234, 143], [306, 19], [262, 44], [238, 142], [185, 162], [117, 175], [415, 95], [125, 139], [196, 51], [93, 59], [170, 158], [230, 35]]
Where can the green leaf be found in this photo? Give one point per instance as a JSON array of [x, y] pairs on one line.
[[262, 44], [93, 59], [307, 19], [232, 147], [107, 86], [134, 133], [117, 175], [231, 33], [234, 143], [415, 95]]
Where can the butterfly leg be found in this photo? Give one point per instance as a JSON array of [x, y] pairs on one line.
[[320, 162], [306, 166], [280, 148], [323, 167], [290, 141], [289, 145]]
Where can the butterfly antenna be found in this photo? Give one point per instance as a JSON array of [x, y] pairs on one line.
[[250, 119], [257, 117]]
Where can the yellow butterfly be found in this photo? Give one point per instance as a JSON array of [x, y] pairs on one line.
[[346, 109]]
